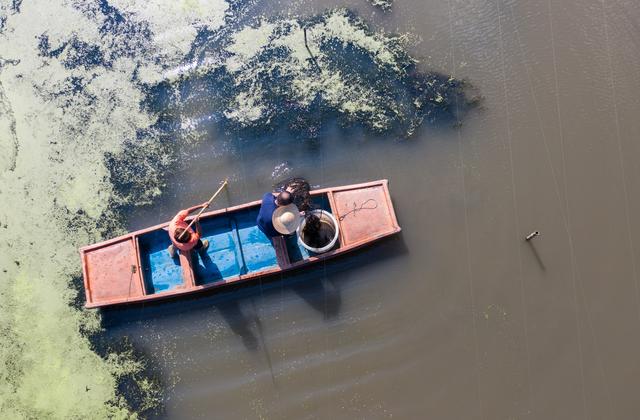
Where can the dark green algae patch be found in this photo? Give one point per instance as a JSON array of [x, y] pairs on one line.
[[300, 73]]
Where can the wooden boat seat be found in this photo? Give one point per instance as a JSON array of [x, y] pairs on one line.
[[282, 254]]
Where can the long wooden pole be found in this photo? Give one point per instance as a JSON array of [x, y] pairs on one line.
[[195, 219]]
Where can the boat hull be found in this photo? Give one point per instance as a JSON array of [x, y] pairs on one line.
[[136, 267]]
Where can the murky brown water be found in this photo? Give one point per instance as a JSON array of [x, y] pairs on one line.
[[458, 317]]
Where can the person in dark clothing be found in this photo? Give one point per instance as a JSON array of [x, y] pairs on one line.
[[278, 217], [270, 202]]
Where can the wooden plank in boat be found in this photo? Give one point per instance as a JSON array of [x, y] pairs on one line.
[[364, 213], [109, 274]]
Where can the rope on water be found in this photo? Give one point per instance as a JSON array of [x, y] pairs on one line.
[[363, 206]]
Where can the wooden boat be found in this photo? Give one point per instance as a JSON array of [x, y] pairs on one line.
[[137, 267]]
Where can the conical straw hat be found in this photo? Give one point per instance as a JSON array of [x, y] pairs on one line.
[[286, 219]]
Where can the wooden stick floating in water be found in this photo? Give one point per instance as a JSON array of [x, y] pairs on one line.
[[532, 235]]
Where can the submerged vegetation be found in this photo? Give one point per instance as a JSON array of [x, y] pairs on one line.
[[70, 108], [298, 73]]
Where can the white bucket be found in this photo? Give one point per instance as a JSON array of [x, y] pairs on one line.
[[325, 217]]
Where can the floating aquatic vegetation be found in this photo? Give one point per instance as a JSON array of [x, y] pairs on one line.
[[79, 145], [8, 141], [173, 25], [70, 116], [298, 73], [385, 5]]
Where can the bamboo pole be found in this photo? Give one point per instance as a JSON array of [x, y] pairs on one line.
[[195, 219]]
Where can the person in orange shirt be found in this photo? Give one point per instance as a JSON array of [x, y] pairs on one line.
[[189, 240]]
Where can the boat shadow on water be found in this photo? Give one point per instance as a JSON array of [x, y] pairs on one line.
[[319, 286]]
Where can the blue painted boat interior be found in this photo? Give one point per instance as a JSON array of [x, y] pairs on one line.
[[236, 246], [296, 251], [160, 271], [223, 258], [257, 251]]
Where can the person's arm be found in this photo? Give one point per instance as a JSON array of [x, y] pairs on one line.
[[182, 214], [198, 228], [198, 207]]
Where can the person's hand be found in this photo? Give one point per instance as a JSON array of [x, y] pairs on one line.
[[205, 205]]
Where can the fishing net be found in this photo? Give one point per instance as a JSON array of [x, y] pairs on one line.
[[315, 233], [299, 189]]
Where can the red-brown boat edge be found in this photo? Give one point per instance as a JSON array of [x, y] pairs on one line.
[[342, 249]]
